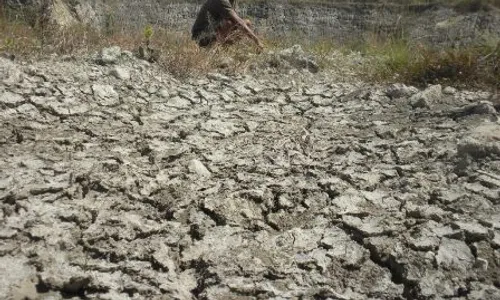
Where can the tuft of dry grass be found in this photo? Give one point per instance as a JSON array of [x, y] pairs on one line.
[[397, 60], [173, 50], [182, 56], [465, 6]]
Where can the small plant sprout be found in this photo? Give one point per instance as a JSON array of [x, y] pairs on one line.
[[148, 33]]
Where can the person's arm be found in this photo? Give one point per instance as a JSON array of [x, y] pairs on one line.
[[236, 19]]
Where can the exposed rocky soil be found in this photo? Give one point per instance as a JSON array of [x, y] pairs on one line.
[[118, 181]]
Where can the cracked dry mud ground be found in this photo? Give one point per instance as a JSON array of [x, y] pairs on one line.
[[253, 187]]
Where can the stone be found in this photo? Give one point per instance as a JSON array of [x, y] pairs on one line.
[[81, 77], [369, 226], [473, 231], [492, 220], [197, 167], [481, 108], [225, 128], [15, 273], [427, 97], [454, 254], [178, 102], [148, 54], [105, 94], [6, 182], [399, 90], [420, 103], [481, 264], [495, 242], [7, 233], [162, 257], [297, 58], [382, 200], [109, 55], [480, 291], [429, 212], [164, 93], [10, 99], [480, 142], [488, 180], [27, 289], [217, 77], [424, 240], [10, 73], [340, 246], [448, 196], [432, 284], [448, 90], [349, 202], [120, 73]]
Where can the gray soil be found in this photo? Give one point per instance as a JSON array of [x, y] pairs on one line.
[[118, 181]]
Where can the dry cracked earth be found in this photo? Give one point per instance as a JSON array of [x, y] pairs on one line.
[[118, 181]]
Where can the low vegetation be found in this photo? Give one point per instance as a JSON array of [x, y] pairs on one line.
[[392, 58], [417, 64]]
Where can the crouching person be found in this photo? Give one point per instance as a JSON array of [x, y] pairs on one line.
[[218, 23]]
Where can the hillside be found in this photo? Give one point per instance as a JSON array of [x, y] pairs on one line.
[[441, 22]]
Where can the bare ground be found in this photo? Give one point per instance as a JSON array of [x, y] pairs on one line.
[[253, 187]]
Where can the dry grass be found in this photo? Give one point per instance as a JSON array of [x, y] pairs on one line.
[[475, 5], [395, 58], [173, 50], [459, 5], [181, 56], [398, 60]]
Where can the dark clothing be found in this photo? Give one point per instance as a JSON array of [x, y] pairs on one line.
[[210, 17], [205, 40]]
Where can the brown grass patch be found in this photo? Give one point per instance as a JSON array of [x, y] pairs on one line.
[[476, 65], [173, 50]]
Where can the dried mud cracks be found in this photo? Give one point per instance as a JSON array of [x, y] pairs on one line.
[[120, 182]]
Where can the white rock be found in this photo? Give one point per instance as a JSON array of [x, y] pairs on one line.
[[480, 142], [454, 254], [164, 93], [196, 166], [10, 99], [449, 90], [105, 94], [427, 97], [297, 57], [482, 264], [110, 55], [399, 90], [496, 240], [120, 73], [473, 231], [9, 72]]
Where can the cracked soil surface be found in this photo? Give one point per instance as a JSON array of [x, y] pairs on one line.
[[118, 181]]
